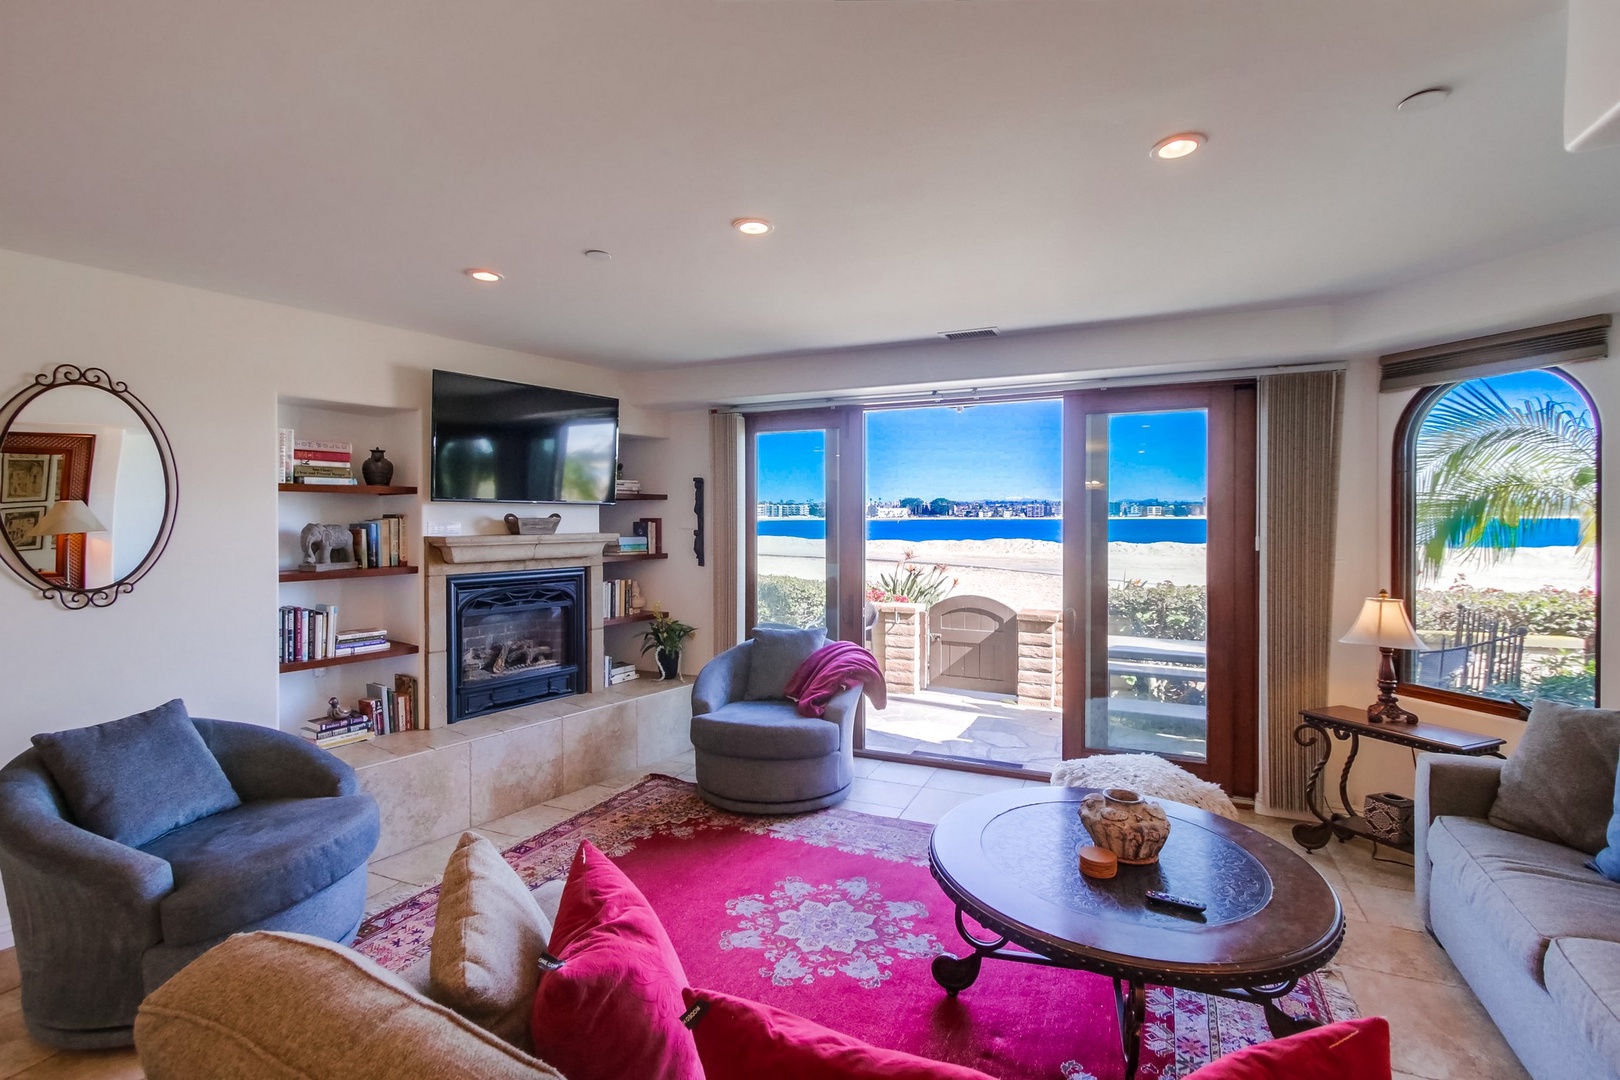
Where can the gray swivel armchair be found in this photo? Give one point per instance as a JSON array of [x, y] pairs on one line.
[[115, 881], [755, 753]]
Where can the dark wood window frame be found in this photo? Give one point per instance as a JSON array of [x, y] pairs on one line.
[[1404, 542]]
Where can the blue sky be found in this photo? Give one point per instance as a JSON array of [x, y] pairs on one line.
[[1000, 451]]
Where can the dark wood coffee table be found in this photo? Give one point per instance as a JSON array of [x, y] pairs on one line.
[[1009, 862]]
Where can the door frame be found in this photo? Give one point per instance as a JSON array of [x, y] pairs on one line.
[[1232, 572]]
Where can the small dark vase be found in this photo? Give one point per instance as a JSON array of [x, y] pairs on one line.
[[377, 469], [669, 664]]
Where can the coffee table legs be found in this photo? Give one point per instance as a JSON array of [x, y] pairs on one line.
[[1130, 1003], [956, 973]]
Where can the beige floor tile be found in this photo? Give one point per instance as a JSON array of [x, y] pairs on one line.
[[1392, 907], [931, 804], [527, 823], [584, 798], [1437, 1032], [870, 808], [974, 783], [865, 766], [1396, 952], [884, 793], [690, 776], [424, 865], [17, 1050], [10, 977], [625, 780], [376, 883], [1347, 899], [87, 1065], [899, 772], [671, 766]]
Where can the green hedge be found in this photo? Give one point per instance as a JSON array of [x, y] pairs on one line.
[[1176, 612], [791, 600], [1565, 612]]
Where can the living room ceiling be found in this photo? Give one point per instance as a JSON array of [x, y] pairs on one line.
[[928, 166]]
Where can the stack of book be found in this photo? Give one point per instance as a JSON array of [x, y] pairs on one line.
[[326, 733], [359, 642], [626, 487], [620, 597], [394, 708], [309, 633], [630, 545], [315, 462], [620, 672], [379, 542], [653, 530]]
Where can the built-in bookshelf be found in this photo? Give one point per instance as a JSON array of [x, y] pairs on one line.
[[385, 597]]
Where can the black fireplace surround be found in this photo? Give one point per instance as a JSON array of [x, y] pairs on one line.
[[514, 638]]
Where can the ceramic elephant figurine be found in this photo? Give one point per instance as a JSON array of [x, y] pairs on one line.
[[326, 543]]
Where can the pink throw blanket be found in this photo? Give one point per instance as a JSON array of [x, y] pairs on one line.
[[831, 669]]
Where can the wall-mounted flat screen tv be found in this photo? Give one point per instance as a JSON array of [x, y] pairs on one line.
[[499, 441]]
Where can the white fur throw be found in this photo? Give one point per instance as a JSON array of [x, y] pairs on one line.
[[1147, 774]]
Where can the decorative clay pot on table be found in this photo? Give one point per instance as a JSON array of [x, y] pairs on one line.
[[1123, 822]]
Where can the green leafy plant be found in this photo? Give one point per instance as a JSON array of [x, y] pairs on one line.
[[666, 633], [791, 601], [1164, 611], [909, 583], [1482, 462], [1559, 612]]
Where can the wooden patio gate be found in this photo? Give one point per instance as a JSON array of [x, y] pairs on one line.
[[973, 645]]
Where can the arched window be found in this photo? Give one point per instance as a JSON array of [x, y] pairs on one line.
[[1497, 538]]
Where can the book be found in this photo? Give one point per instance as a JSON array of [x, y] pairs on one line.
[[334, 457], [358, 650], [328, 629], [334, 471], [284, 454], [368, 632], [329, 480], [653, 530], [362, 550], [624, 677], [361, 735], [382, 693], [330, 447], [405, 686], [372, 710]]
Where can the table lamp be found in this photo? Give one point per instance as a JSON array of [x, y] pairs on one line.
[[1383, 622], [65, 517]]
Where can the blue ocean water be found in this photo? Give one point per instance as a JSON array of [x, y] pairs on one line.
[[1550, 532]]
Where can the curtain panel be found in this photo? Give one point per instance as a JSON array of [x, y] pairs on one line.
[[725, 525], [1301, 417]]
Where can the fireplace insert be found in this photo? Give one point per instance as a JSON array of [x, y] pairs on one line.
[[514, 638]]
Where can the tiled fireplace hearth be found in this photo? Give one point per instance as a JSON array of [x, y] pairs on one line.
[[435, 783]]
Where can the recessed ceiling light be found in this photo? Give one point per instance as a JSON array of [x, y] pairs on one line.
[[1424, 99], [478, 274], [751, 226], [1178, 146]]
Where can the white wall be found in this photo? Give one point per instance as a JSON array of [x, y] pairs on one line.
[[201, 625]]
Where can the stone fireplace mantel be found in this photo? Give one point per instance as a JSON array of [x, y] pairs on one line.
[[586, 548], [454, 556]]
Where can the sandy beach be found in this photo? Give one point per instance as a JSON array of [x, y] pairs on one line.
[[1028, 573]]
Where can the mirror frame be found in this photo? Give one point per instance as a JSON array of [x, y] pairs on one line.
[[71, 596]]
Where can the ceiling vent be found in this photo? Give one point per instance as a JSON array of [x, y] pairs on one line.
[[969, 335]]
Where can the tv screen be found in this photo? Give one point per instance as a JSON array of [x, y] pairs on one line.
[[498, 441]]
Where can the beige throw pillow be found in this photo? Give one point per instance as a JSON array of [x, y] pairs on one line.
[[487, 939]]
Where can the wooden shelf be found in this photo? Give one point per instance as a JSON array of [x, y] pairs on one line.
[[348, 489], [621, 620], [633, 556], [643, 496], [335, 575], [396, 649]]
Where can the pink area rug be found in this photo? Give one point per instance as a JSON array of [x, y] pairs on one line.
[[834, 916]]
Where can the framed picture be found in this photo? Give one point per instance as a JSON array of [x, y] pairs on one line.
[[25, 478], [18, 522]]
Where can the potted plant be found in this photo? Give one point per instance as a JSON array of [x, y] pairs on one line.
[[666, 634]]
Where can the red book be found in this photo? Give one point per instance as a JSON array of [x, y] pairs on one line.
[[323, 455]]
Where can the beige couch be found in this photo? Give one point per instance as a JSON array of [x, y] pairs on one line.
[[268, 1006]]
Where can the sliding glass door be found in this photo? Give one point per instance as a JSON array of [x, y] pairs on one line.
[[1161, 607]]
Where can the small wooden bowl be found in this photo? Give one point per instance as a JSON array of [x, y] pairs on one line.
[[1099, 863]]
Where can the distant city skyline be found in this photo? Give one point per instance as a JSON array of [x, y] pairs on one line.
[[1005, 452]]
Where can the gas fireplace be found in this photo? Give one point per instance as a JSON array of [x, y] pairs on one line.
[[514, 638]]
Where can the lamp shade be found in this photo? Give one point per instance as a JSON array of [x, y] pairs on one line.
[[67, 516], [1383, 622]]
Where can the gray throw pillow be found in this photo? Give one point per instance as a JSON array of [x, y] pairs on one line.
[[775, 655], [1559, 784], [132, 780]]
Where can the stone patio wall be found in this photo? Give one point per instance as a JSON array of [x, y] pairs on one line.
[[900, 644], [1040, 658]]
